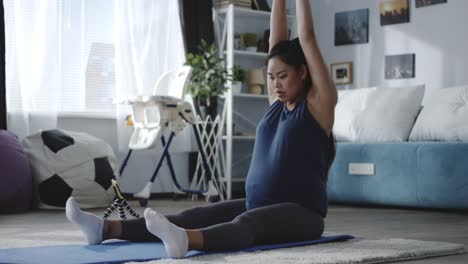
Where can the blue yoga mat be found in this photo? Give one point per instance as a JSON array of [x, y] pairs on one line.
[[118, 252]]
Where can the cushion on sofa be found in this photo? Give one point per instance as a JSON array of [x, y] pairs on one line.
[[379, 114], [15, 176], [350, 104], [444, 116]]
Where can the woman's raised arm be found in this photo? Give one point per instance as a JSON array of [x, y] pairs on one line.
[[278, 32], [323, 95], [278, 23]]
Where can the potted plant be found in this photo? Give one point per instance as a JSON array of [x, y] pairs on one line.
[[250, 40], [238, 77], [208, 79]]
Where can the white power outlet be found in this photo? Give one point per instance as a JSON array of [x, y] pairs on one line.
[[361, 169]]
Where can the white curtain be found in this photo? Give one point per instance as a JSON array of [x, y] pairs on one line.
[[148, 42], [33, 65], [48, 45]]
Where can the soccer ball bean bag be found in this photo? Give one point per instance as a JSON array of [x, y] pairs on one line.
[[15, 175], [66, 163]]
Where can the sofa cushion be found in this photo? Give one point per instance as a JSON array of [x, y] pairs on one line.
[[350, 104], [444, 116], [381, 114]]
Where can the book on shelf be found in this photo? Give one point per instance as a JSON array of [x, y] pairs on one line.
[[237, 3], [261, 5], [242, 2]]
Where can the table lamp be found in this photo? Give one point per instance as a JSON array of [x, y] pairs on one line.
[[256, 81]]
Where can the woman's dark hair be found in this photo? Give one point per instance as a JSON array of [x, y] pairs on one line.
[[291, 53]]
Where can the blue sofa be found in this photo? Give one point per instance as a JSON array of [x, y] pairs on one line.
[[415, 174]]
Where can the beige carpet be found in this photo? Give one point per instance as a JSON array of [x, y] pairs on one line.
[[359, 250], [354, 251], [40, 228]]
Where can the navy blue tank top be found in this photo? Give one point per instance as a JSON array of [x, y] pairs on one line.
[[289, 160]]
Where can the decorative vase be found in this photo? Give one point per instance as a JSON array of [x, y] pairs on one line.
[[236, 87], [256, 89], [256, 81]]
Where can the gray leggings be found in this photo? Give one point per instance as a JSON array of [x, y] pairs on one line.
[[227, 225]]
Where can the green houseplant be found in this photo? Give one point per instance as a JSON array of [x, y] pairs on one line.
[[208, 79], [238, 74], [238, 77], [250, 40]]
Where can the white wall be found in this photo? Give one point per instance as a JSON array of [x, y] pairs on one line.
[[437, 34]]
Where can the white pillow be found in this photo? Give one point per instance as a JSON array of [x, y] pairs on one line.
[[350, 104], [444, 116], [377, 114]]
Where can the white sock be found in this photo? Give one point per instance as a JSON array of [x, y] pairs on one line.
[[174, 238], [91, 225]]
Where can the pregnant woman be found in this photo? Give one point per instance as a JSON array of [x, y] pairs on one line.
[[286, 186]]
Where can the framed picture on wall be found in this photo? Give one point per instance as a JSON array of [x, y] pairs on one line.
[[342, 72], [423, 3], [394, 12], [352, 27], [400, 66]]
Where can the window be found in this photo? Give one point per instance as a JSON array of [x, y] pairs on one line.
[[86, 56]]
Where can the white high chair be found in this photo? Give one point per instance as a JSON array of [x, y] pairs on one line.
[[166, 108], [151, 114]]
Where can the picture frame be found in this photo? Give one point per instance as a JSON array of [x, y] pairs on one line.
[[394, 12], [401, 66], [352, 27], [342, 72], [424, 3]]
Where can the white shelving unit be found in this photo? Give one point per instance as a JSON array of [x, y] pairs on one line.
[[246, 95], [240, 137], [244, 110], [246, 53]]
